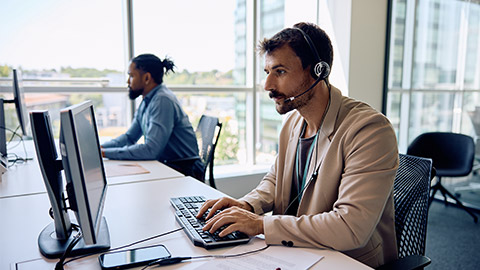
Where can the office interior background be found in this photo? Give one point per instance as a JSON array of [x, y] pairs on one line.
[[417, 61]]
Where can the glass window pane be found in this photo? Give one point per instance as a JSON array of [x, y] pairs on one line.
[[438, 30], [203, 49], [54, 45], [430, 112], [47, 39], [472, 59], [394, 110], [230, 109], [398, 40], [270, 122]]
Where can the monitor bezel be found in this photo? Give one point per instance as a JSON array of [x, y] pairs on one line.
[[74, 171]]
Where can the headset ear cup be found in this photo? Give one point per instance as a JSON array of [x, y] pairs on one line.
[[321, 70]]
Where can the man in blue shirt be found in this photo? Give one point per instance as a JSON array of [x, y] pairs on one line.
[[168, 134]]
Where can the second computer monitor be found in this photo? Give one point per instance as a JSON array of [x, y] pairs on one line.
[[83, 166]]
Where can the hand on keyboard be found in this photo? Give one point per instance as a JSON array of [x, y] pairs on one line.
[[219, 204], [187, 208], [236, 216]]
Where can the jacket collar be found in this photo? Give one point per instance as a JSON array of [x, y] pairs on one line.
[[323, 143]]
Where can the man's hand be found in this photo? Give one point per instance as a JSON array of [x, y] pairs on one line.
[[236, 214], [236, 219], [219, 204]]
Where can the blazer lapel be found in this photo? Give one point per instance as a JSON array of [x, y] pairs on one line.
[[323, 143]]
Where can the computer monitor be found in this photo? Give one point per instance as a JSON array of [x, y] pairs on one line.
[[86, 184], [19, 100], [22, 115]]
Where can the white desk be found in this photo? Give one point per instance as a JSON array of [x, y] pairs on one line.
[[133, 211], [26, 178]]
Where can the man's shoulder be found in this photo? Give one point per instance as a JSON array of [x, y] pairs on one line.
[[359, 112], [163, 94]]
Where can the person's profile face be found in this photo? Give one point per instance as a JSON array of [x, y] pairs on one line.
[[135, 82], [286, 78]]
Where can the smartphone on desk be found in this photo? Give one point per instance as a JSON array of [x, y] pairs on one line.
[[133, 257]]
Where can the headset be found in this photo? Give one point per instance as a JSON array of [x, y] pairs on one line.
[[319, 71]]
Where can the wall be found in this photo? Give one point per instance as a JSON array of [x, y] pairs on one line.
[[367, 51], [358, 33]]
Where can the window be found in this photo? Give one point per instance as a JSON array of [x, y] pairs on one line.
[[434, 74], [70, 51], [62, 47]]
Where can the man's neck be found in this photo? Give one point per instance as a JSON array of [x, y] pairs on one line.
[[315, 109], [148, 89]]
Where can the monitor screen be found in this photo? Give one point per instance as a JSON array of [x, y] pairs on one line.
[[83, 165], [19, 99]]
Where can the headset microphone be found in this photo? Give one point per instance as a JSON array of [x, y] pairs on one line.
[[301, 94]]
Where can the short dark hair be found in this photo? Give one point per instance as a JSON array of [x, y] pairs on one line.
[[152, 64], [295, 39]]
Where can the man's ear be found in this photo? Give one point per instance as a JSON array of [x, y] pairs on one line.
[[148, 78]]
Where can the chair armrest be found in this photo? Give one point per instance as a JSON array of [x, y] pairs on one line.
[[409, 262]]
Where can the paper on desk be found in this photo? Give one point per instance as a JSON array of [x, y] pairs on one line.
[[113, 169], [274, 257]]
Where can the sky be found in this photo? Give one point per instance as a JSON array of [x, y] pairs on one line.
[[197, 35]]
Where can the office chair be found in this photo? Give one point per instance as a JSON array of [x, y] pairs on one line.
[[411, 195], [207, 132], [452, 155]]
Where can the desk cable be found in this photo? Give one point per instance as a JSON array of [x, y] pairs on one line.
[[174, 260], [60, 264], [16, 158]]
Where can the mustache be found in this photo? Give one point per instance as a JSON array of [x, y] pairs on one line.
[[274, 94]]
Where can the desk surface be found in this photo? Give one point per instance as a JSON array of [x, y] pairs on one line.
[[133, 211], [26, 178]]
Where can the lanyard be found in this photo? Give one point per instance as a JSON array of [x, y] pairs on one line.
[[307, 164]]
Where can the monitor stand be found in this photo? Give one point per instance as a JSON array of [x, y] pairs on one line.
[[53, 248]]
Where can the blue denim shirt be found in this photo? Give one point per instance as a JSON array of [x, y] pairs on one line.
[[168, 134]]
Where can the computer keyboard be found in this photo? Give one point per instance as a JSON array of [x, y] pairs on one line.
[[185, 214]]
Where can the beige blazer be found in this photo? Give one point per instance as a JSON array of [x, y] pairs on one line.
[[349, 207]]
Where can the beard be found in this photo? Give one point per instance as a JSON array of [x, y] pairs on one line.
[[286, 106], [134, 93]]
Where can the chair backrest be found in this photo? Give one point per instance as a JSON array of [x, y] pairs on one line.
[[452, 153], [411, 190], [208, 132]]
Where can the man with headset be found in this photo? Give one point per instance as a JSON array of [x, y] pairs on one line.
[[332, 181]]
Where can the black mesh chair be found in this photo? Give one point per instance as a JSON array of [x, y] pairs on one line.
[[207, 132], [411, 194], [452, 155]]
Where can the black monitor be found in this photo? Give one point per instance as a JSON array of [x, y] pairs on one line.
[[86, 184], [19, 100], [22, 115]]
